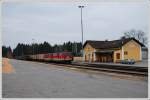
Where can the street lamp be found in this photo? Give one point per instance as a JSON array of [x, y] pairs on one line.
[[82, 33], [22, 49], [33, 45]]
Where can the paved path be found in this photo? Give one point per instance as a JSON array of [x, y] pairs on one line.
[[38, 80]]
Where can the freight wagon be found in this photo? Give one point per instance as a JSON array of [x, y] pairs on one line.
[[51, 57]]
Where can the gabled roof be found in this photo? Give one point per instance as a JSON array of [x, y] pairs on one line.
[[110, 44]]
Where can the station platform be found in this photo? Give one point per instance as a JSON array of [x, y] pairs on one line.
[[137, 64]]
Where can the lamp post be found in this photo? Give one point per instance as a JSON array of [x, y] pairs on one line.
[[33, 46], [22, 49], [81, 7]]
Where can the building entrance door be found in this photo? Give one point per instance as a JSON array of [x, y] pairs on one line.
[[89, 57]]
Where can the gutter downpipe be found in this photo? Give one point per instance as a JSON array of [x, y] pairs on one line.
[[122, 52]]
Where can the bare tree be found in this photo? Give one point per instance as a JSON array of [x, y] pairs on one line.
[[137, 34]]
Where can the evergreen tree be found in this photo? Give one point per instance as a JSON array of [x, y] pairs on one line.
[[7, 52], [4, 51], [30, 49]]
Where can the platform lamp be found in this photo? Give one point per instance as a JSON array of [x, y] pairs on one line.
[[33, 45], [81, 7]]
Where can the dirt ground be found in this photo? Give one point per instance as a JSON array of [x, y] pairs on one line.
[[6, 66]]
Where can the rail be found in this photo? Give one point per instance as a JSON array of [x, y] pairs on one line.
[[118, 69]]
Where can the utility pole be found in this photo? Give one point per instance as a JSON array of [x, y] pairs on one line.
[[33, 46], [22, 49], [81, 7], [76, 47]]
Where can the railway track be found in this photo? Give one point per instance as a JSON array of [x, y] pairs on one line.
[[108, 68], [129, 70]]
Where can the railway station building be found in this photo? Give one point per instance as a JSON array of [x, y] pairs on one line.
[[112, 51]]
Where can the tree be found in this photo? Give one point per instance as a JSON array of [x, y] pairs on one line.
[[4, 51], [137, 34], [7, 52]]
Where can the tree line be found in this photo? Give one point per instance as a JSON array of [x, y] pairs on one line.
[[42, 48]]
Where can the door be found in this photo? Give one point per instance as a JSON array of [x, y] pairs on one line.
[[89, 57], [92, 57]]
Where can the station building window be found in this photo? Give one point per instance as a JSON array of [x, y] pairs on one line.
[[125, 53], [118, 55]]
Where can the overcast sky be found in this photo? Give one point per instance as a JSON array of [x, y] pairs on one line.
[[58, 23]]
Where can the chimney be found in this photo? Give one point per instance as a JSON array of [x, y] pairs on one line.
[[106, 40]]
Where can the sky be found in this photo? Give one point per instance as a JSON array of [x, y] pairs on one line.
[[58, 23]]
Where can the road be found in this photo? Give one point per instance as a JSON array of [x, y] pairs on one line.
[[39, 80]]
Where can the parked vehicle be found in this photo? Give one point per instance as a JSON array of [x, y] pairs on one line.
[[128, 61]]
